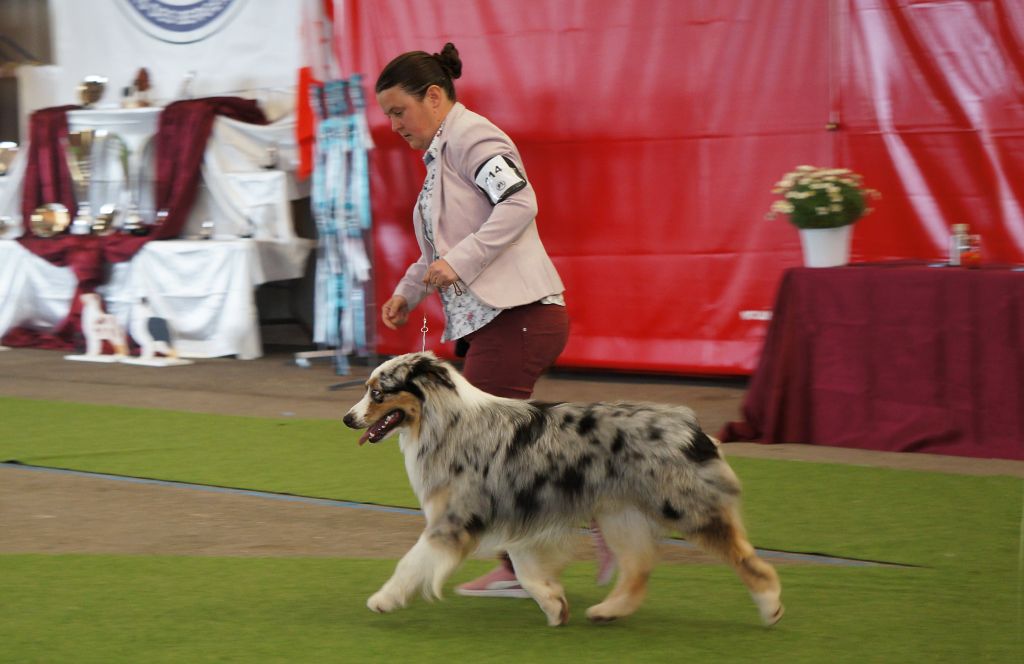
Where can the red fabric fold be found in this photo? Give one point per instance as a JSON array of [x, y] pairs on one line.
[[47, 178], [181, 141]]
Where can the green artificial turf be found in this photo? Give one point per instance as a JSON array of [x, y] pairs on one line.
[[960, 602], [82, 609], [308, 457]]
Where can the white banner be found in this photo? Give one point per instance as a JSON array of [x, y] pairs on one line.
[[248, 48]]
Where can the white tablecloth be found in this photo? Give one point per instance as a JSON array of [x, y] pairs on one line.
[[10, 196], [205, 288]]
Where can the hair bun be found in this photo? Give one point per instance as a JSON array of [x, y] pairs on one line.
[[450, 61]]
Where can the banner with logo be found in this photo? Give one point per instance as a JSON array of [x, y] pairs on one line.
[[198, 47]]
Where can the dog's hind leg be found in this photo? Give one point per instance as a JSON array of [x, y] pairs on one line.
[[631, 537], [724, 535], [538, 569]]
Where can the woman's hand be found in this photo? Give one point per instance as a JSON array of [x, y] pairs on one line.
[[395, 312], [440, 275]]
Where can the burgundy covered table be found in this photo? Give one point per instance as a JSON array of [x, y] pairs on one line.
[[893, 356]]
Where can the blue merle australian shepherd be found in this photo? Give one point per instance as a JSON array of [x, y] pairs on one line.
[[522, 476]]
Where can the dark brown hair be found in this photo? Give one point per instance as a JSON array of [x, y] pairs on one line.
[[416, 71]]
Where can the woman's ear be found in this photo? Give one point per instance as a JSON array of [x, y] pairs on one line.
[[435, 97]]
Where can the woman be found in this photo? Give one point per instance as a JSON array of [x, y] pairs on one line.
[[475, 223]]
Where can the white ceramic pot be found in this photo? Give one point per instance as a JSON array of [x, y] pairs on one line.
[[826, 247]]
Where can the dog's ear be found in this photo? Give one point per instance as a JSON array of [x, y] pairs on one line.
[[416, 373], [429, 368]]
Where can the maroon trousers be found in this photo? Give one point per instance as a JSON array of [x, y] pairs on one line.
[[508, 355]]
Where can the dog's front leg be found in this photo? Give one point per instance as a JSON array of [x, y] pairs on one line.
[[399, 588], [428, 564]]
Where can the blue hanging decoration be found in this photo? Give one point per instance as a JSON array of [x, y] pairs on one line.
[[340, 200]]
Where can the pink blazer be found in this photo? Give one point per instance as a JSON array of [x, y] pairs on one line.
[[495, 249]]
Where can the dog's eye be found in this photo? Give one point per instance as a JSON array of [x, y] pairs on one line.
[[377, 395]]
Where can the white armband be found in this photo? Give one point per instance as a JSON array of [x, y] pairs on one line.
[[499, 178]]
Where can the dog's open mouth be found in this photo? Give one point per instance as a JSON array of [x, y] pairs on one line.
[[381, 427]]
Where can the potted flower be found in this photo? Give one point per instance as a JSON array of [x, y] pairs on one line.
[[823, 203]]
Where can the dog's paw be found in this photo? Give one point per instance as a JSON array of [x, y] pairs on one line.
[[771, 619], [600, 615], [561, 615], [769, 606], [382, 602]]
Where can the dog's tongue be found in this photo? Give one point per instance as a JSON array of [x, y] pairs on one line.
[[379, 429], [374, 431]]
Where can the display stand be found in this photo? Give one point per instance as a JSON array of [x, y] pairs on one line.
[[158, 362], [341, 208]]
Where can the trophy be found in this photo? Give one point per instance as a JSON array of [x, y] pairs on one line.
[[49, 220], [134, 223], [91, 89], [8, 151], [78, 152], [103, 224]]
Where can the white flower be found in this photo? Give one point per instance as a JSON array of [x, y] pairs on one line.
[[805, 182]]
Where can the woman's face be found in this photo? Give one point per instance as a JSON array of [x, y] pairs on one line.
[[415, 120]]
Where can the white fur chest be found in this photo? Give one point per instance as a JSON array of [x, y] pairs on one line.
[[409, 447]]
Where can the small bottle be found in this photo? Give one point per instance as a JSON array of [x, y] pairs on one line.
[[958, 243]]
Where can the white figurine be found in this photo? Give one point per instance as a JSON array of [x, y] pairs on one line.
[[152, 333], [99, 326]]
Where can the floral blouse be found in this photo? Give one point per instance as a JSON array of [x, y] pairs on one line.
[[462, 313]]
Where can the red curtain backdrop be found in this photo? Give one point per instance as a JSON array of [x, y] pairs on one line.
[[653, 132]]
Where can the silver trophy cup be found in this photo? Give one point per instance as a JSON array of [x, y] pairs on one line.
[[78, 150]]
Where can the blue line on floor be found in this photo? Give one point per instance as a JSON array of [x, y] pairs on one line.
[[764, 553], [218, 489]]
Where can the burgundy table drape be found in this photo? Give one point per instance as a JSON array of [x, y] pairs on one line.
[[893, 356], [181, 141]]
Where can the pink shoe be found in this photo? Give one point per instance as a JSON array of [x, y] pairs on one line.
[[500, 582], [605, 558]]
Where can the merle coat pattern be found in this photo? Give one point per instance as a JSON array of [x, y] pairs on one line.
[[523, 475]]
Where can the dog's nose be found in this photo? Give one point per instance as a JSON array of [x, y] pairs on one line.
[[349, 421]]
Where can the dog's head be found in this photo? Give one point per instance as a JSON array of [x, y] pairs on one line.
[[395, 394]]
